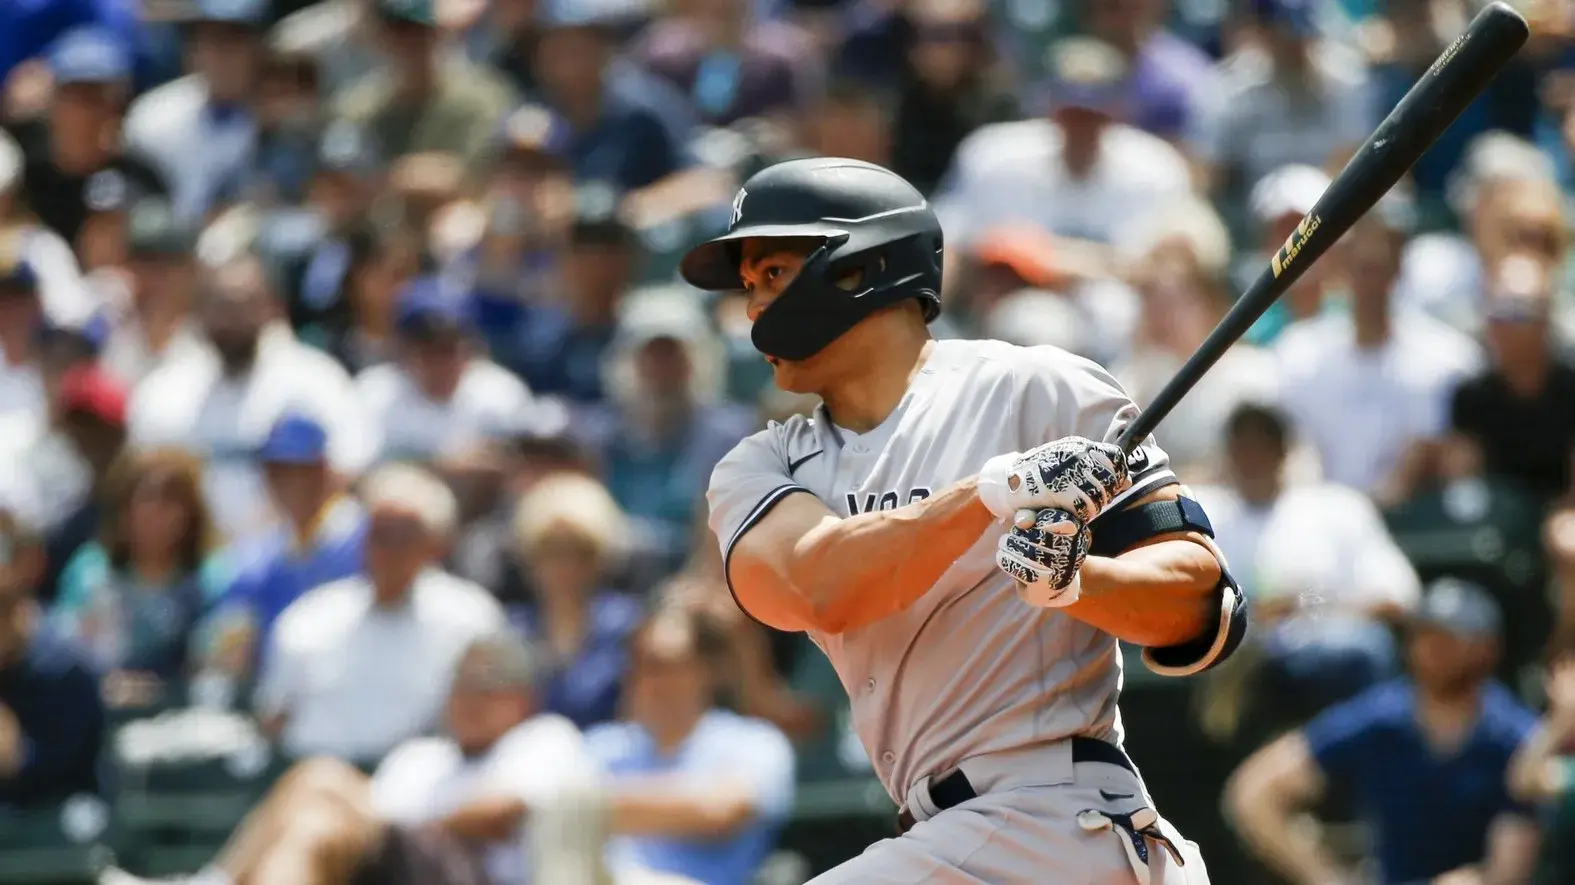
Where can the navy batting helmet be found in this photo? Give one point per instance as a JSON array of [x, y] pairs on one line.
[[867, 219]]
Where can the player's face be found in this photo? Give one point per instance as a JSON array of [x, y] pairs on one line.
[[766, 268]]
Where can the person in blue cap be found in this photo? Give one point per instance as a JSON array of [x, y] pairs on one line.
[[79, 163], [1426, 757], [319, 540], [201, 130], [441, 395]]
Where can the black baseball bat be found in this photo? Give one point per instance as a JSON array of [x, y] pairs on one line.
[[1457, 77]]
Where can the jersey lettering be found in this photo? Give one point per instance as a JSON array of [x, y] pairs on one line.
[[887, 500]]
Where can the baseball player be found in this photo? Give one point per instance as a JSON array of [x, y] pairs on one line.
[[954, 530]]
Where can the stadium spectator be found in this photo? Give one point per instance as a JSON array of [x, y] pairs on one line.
[[201, 130], [1292, 97], [1507, 200], [356, 666], [1542, 773], [92, 421], [156, 325], [1426, 755], [320, 541], [1277, 204], [952, 83], [730, 66], [60, 284], [1512, 421], [1175, 88], [1081, 173], [21, 381], [1180, 279], [695, 790], [561, 347], [421, 101], [1325, 578], [51, 716], [849, 121], [663, 430], [221, 401], [442, 394], [629, 132], [354, 316], [1370, 390], [77, 162], [132, 600], [439, 810], [570, 536]]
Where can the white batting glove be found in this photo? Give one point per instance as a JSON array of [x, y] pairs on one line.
[[1045, 557], [1074, 474]]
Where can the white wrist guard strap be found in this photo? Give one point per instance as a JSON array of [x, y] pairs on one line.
[[994, 493]]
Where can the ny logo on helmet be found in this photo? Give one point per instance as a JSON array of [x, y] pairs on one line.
[[738, 207]]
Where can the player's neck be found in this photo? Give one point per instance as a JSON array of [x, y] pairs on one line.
[[863, 398]]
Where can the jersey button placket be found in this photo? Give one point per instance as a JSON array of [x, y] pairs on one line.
[[888, 757]]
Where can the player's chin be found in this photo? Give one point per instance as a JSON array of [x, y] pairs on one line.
[[790, 375]]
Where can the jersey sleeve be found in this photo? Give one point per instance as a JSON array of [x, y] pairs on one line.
[[752, 479], [1066, 395], [1338, 738]]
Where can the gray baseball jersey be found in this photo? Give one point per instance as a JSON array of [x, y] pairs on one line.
[[969, 669]]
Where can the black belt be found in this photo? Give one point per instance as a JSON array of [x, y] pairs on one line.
[[955, 789]]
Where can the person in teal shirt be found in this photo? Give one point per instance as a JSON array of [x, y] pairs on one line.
[[133, 600]]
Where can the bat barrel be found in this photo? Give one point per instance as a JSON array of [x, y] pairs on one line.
[[1452, 82]]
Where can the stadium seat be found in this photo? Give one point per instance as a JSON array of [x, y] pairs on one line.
[[62, 845]]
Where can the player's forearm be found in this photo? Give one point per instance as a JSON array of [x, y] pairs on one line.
[[1268, 827], [859, 570], [485, 820], [1158, 595], [661, 811]]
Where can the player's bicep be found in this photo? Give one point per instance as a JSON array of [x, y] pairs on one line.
[[760, 562]]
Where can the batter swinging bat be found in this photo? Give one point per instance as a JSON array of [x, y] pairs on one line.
[[1455, 78]]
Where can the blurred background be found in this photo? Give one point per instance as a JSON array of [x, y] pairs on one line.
[[255, 250]]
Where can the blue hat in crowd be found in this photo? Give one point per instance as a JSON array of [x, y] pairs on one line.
[[577, 14], [294, 439], [89, 54], [248, 13], [431, 305], [1087, 73], [1459, 607]]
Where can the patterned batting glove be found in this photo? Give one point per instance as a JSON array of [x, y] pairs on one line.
[[1073, 474], [1044, 558]]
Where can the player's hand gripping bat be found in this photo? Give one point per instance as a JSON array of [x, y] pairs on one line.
[[1461, 72]]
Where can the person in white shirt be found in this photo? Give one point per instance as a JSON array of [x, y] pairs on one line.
[[220, 401], [356, 666], [1369, 390], [441, 397], [1325, 577], [1079, 172], [201, 129], [505, 797], [155, 325], [61, 290]]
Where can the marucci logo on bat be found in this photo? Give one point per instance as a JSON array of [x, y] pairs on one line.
[[1295, 243]]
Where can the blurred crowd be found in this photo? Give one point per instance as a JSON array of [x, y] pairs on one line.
[[341, 343]]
